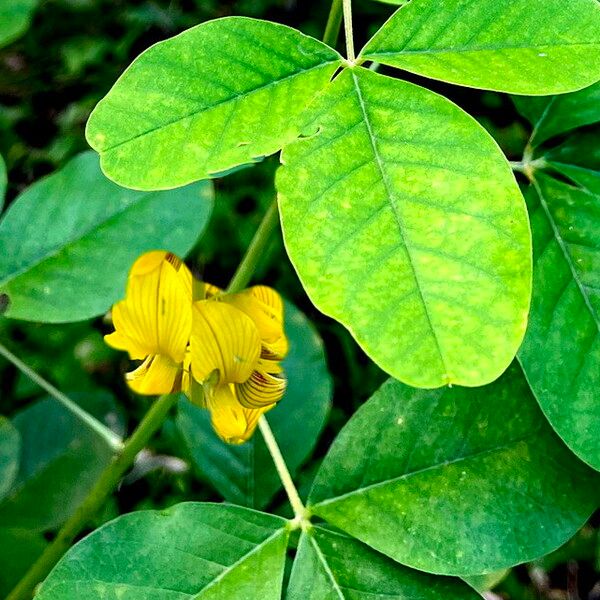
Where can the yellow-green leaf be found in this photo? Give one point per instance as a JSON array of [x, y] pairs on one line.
[[404, 222], [221, 94], [533, 47]]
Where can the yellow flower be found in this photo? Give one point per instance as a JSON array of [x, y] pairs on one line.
[[223, 351], [154, 322], [236, 344]]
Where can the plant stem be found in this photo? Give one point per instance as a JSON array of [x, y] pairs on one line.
[[255, 250], [334, 23], [113, 440], [103, 487], [298, 507], [348, 31]]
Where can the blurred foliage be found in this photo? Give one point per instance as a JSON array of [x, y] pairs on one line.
[[50, 79]]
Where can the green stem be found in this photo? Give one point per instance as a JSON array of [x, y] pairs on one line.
[[113, 440], [98, 495], [348, 31], [257, 246], [334, 24], [298, 507]]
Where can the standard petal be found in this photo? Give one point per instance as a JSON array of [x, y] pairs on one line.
[[156, 375], [225, 340], [232, 422], [262, 389], [156, 314]]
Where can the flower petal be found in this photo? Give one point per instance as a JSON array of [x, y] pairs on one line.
[[232, 422], [155, 317], [262, 389], [225, 340], [265, 307], [117, 340], [156, 375]]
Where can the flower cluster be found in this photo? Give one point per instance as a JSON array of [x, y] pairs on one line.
[[222, 350]]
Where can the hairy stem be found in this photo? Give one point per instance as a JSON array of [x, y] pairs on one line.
[[113, 440], [300, 511], [348, 31], [104, 486]]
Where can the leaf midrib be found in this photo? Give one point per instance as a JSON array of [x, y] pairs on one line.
[[464, 50], [567, 255], [326, 567], [53, 252], [398, 218], [215, 106], [488, 451], [238, 562]]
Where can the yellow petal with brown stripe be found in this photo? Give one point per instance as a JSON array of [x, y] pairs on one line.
[[232, 422], [265, 307], [156, 316], [262, 389], [223, 339]]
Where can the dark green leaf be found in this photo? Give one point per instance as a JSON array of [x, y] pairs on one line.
[[385, 211], [578, 158], [332, 566], [3, 182], [561, 351], [60, 460], [15, 16], [553, 115], [216, 96], [455, 481], [10, 449], [192, 550], [522, 46], [67, 243], [19, 548], [246, 474]]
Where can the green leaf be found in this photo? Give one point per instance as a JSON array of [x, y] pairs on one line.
[[584, 178], [10, 449], [554, 115], [531, 47], [60, 460], [578, 158], [15, 16], [67, 242], [332, 566], [454, 481], [561, 351], [19, 548], [385, 212], [246, 474], [487, 581], [216, 96], [192, 550], [3, 181]]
